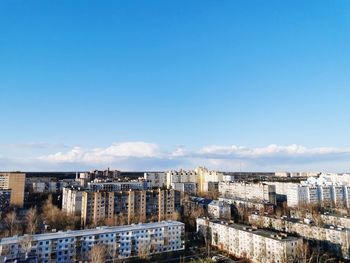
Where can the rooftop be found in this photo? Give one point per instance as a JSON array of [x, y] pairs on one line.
[[261, 232], [91, 232]]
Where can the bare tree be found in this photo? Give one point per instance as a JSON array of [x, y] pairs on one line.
[[317, 219], [56, 218], [214, 194], [242, 213], [11, 224], [32, 221], [144, 251], [98, 253], [176, 216], [26, 243]]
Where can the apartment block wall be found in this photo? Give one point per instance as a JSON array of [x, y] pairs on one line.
[[325, 195], [122, 242], [72, 200], [137, 206], [248, 191], [254, 244], [339, 237], [15, 182]]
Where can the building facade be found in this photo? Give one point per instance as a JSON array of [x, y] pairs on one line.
[[219, 209], [256, 245], [329, 195], [157, 179], [119, 186], [121, 242], [15, 182], [336, 237], [248, 191], [190, 188], [201, 176], [134, 205], [72, 200], [5, 199]]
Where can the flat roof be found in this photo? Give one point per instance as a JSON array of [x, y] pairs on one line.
[[90, 232], [261, 232], [300, 221]]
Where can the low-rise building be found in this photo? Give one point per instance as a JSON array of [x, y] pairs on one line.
[[336, 237], [120, 241], [257, 245], [253, 205], [336, 220]]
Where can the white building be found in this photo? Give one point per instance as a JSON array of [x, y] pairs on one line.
[[121, 242], [337, 237], [257, 245], [281, 187], [296, 174], [248, 191], [119, 186], [180, 176], [341, 178], [219, 209], [190, 188], [157, 179], [318, 192], [72, 200], [228, 178]]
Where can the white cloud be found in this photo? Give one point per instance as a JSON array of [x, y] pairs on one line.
[[149, 156], [105, 155]]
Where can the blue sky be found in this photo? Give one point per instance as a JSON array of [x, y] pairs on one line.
[[174, 77]]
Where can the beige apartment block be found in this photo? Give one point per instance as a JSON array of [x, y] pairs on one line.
[[15, 182]]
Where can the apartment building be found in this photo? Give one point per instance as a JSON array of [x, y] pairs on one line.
[[190, 188], [330, 195], [248, 191], [5, 199], [135, 205], [201, 176], [119, 186], [205, 177], [336, 220], [254, 205], [157, 179], [180, 176], [16, 182], [219, 209], [324, 218], [341, 178], [121, 242], [257, 245], [337, 238], [72, 200], [296, 174]]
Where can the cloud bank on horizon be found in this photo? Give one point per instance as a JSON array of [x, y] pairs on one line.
[[139, 155]]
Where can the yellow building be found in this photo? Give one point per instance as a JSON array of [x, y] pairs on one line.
[[14, 181]]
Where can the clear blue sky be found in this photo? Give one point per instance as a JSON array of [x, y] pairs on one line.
[[192, 73]]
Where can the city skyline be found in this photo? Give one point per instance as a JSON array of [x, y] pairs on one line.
[[169, 85]]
